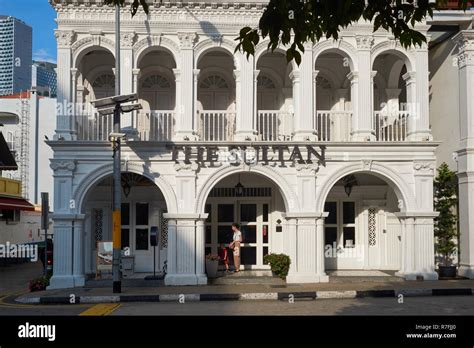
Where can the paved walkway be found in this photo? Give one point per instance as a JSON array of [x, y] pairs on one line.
[[339, 289]]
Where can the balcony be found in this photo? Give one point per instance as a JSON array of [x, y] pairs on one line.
[[143, 126], [274, 125], [390, 126], [216, 125], [333, 125]]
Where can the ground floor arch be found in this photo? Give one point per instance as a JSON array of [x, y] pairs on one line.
[[143, 206], [362, 230]]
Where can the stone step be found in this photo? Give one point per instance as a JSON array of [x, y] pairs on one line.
[[261, 280]]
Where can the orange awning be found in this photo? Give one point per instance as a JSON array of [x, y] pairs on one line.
[[16, 204]]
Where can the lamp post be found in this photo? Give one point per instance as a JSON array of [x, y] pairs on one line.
[[117, 105]]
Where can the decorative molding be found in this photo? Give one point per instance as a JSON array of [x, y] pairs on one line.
[[187, 39], [186, 167], [424, 168], [65, 38], [310, 169], [364, 42], [367, 165], [68, 165], [127, 40]]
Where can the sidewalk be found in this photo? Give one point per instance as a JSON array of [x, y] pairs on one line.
[[337, 290]]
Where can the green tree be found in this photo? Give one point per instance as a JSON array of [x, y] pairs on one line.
[[445, 201]]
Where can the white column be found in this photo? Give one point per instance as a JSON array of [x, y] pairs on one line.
[[309, 249], [410, 82], [465, 42], [290, 244], [78, 251], [422, 105], [178, 109], [136, 76], [244, 98], [63, 254], [315, 100], [135, 88], [126, 62], [255, 99], [304, 110], [320, 266], [353, 77], [363, 130], [74, 102], [407, 245], [185, 124], [64, 121], [186, 249], [197, 116], [200, 251]]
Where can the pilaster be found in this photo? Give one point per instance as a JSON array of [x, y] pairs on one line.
[[244, 88]]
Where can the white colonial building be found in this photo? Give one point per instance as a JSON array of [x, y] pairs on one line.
[[335, 152]]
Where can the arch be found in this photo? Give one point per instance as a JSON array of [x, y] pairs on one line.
[[289, 196], [81, 47], [262, 48], [204, 73], [270, 73], [394, 75], [402, 191], [336, 46], [150, 43], [223, 45], [102, 172], [392, 46]]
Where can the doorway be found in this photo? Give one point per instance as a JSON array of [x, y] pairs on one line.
[[254, 219]]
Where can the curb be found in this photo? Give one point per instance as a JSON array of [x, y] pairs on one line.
[[280, 296]]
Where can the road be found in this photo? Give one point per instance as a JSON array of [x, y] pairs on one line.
[[452, 305]]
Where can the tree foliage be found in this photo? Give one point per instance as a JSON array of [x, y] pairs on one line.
[[291, 23], [445, 194]]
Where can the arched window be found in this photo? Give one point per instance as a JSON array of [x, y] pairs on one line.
[[323, 82], [265, 82], [156, 81], [213, 82], [104, 81]]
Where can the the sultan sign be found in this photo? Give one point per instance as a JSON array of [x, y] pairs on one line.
[[280, 155]]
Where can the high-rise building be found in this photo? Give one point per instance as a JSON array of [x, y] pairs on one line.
[[15, 55], [43, 77]]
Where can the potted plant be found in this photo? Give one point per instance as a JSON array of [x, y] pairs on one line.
[[279, 263], [445, 228], [39, 284], [212, 264]]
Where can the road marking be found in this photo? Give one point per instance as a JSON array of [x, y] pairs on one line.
[[18, 305], [101, 309]]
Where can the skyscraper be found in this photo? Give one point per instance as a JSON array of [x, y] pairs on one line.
[[15, 55], [44, 78]]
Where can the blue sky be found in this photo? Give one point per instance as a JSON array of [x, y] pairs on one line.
[[40, 15]]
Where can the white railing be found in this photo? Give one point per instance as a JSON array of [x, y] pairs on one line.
[[153, 125], [216, 125], [93, 127], [390, 127], [333, 125], [274, 125], [143, 126]]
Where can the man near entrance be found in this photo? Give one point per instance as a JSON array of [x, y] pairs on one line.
[[235, 245]]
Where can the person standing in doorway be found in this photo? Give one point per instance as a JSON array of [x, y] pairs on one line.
[[235, 245]]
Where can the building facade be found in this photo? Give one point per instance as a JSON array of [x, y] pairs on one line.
[[331, 162], [15, 55], [452, 110], [43, 77], [27, 120]]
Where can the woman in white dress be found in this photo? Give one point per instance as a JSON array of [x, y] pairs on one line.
[[235, 245]]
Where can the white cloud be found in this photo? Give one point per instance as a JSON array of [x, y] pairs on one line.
[[43, 55]]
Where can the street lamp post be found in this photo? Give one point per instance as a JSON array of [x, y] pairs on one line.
[[117, 105]]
